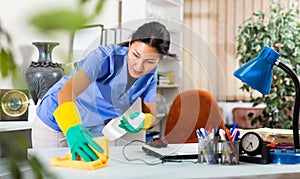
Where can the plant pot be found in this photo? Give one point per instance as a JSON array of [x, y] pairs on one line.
[[43, 74]]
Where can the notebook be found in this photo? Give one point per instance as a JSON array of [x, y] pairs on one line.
[[173, 151]]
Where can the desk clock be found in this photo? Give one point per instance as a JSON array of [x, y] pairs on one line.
[[251, 143], [253, 149]]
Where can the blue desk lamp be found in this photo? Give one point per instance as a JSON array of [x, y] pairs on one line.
[[258, 73]]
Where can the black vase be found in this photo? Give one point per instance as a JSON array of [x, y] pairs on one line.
[[43, 74]]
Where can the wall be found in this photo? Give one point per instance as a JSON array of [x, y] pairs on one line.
[[14, 17]]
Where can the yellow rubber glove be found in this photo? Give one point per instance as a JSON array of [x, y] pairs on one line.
[[80, 164], [137, 121], [79, 139], [66, 116]]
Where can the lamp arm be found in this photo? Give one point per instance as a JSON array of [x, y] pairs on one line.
[[296, 104]]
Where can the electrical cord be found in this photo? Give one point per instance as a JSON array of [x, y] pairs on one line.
[[137, 159], [162, 160]]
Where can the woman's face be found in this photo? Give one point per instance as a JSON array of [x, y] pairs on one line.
[[141, 58]]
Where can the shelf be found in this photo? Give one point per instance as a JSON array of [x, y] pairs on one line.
[[14, 126], [167, 86], [176, 59], [176, 3]]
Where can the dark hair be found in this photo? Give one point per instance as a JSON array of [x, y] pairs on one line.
[[154, 34]]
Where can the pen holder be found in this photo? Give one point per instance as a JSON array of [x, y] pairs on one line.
[[218, 152]]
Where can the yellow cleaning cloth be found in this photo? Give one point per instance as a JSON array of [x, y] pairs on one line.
[[81, 164]]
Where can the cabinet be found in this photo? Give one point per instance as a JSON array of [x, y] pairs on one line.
[[169, 12]]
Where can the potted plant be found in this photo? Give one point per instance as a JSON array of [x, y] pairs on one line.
[[278, 28]]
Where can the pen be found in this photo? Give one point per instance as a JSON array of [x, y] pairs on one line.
[[206, 146], [216, 131], [209, 149], [204, 133], [233, 134], [231, 145], [233, 128], [203, 146], [226, 153], [228, 134], [222, 134], [211, 135], [198, 133], [236, 135], [226, 149]]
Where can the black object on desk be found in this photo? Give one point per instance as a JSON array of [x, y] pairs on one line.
[[263, 158], [253, 149], [173, 151], [158, 142]]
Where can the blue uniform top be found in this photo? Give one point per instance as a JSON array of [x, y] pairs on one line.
[[105, 98]]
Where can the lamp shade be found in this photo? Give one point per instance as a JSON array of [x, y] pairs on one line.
[[258, 72]]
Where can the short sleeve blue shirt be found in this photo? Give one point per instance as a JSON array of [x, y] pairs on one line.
[[105, 98]]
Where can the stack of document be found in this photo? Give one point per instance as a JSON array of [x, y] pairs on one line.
[[279, 136], [166, 78]]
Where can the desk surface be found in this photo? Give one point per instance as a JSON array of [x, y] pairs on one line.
[[119, 167]]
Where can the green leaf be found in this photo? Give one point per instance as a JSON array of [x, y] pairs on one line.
[[59, 20], [83, 1], [250, 115], [7, 63], [99, 6]]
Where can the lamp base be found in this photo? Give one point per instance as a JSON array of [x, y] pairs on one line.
[[285, 156]]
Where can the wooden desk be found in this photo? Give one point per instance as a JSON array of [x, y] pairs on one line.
[[119, 167]]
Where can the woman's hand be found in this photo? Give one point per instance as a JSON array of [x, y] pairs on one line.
[[136, 122]]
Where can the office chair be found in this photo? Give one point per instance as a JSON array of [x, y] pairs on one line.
[[191, 110], [240, 115]]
